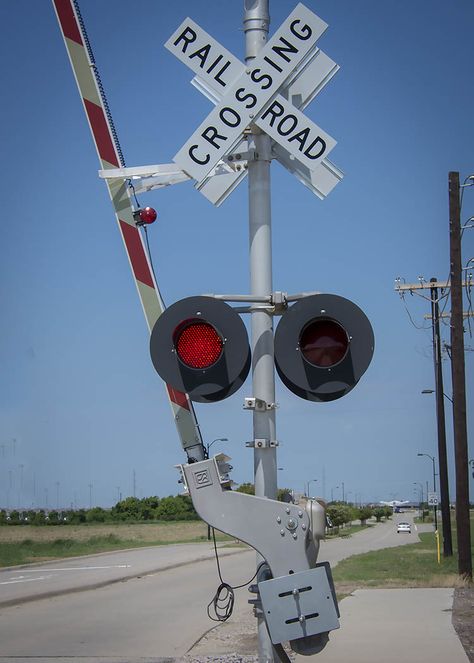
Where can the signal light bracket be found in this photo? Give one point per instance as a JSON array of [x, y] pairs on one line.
[[262, 443], [258, 404]]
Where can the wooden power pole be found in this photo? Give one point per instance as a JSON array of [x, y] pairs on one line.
[[459, 382]]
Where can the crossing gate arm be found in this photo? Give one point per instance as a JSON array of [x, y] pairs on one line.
[[110, 157]]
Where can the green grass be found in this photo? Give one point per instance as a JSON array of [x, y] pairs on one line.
[[345, 532], [411, 565], [28, 551]]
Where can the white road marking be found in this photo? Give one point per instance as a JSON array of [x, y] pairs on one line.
[[23, 578], [82, 568], [15, 581]]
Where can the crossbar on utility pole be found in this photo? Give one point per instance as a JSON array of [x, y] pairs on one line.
[[459, 381]]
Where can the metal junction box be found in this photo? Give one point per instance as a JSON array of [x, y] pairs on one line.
[[300, 605]]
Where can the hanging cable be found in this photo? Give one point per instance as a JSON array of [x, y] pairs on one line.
[[222, 602]]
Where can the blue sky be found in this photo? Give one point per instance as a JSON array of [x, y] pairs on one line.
[[80, 403]]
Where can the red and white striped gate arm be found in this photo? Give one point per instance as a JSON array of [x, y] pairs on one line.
[[103, 134]]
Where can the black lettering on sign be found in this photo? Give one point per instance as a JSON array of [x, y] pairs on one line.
[[303, 33], [287, 125], [274, 64], [230, 117], [211, 135], [187, 36], [275, 110], [322, 146], [240, 96], [300, 138], [283, 50], [214, 64], [221, 71], [201, 54], [258, 79], [191, 152]]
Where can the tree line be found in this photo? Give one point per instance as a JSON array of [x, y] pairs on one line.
[[131, 509], [171, 508]]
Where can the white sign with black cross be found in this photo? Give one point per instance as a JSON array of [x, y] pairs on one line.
[[285, 76]]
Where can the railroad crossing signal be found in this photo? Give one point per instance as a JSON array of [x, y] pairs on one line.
[[323, 345], [284, 77], [199, 345], [271, 92]]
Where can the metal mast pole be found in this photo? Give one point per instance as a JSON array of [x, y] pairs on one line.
[[256, 24], [441, 424], [459, 382]]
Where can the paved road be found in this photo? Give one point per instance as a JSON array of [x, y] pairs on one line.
[[20, 584], [155, 614]]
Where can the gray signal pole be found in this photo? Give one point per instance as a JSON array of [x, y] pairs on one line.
[[256, 24]]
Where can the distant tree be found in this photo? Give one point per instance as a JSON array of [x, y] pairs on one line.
[[75, 517], [247, 488], [37, 517], [96, 515], [128, 509], [284, 495], [379, 513], [339, 514], [176, 508], [364, 513], [14, 518]]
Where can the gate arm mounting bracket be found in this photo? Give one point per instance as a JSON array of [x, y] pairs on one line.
[[280, 532]]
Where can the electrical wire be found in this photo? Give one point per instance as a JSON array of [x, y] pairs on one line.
[[222, 603], [100, 86]]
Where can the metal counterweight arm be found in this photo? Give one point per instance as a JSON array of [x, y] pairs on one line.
[[280, 532]]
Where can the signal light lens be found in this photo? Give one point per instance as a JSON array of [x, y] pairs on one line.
[[324, 343], [198, 344], [148, 215]]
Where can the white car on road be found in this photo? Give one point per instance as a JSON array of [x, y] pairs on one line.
[[403, 527]]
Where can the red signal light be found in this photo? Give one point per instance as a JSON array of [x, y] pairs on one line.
[[198, 344], [324, 343], [148, 215]]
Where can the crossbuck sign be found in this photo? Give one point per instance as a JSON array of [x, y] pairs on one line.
[[271, 92], [256, 94]]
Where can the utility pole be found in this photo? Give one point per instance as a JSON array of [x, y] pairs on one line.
[[434, 286], [441, 425], [459, 381]]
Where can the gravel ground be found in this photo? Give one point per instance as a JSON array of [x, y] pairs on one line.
[[463, 618]]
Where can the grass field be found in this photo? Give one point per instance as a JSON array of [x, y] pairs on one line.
[[411, 565], [26, 544]]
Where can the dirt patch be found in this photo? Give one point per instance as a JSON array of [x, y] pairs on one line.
[[167, 532], [463, 618]]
